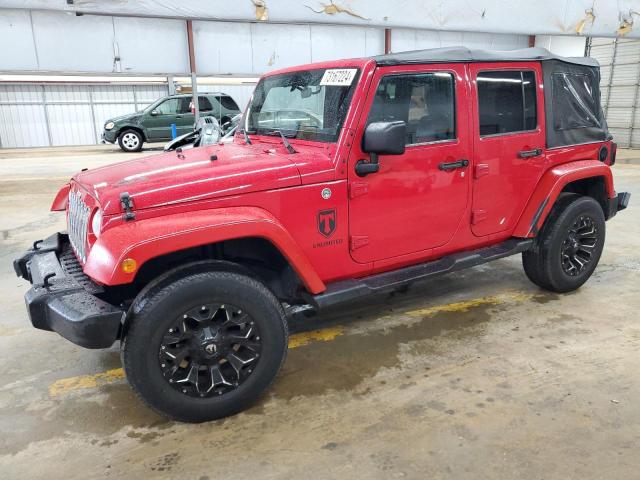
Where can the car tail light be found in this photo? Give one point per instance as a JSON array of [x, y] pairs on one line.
[[612, 155]]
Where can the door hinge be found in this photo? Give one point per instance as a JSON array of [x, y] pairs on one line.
[[477, 216], [358, 241], [481, 170], [357, 189]]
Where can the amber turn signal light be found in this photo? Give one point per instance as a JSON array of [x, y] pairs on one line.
[[129, 265]]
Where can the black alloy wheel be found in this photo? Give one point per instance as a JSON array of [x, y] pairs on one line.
[[203, 344], [569, 245], [578, 246], [210, 350]]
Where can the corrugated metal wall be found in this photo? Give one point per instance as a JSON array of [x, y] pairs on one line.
[[620, 81], [33, 115]]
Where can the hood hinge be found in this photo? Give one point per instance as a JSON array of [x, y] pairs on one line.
[[126, 202]]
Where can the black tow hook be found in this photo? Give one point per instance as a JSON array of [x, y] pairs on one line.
[[45, 280]]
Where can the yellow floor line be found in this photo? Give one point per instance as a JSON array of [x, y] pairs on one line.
[[66, 385], [466, 305]]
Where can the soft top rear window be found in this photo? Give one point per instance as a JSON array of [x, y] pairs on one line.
[[574, 96]]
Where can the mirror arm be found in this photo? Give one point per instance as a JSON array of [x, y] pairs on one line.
[[364, 168]]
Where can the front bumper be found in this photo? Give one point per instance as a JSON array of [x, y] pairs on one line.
[[109, 135], [617, 203], [63, 299]]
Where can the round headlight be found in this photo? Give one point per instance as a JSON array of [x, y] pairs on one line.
[[109, 126], [96, 223]]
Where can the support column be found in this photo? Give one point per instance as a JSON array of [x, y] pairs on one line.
[[192, 66], [387, 40]]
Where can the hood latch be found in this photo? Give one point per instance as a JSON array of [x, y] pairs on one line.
[[127, 205]]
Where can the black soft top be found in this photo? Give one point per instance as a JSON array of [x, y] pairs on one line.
[[572, 87], [462, 54]]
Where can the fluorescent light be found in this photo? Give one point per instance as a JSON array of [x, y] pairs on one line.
[[79, 79]]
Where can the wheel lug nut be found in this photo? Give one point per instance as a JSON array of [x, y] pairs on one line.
[[163, 365], [184, 390]]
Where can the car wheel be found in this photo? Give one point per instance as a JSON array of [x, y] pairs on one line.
[[130, 140], [568, 248], [204, 346]]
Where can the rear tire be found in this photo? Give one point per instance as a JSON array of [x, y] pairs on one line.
[[130, 140], [205, 346], [568, 248]]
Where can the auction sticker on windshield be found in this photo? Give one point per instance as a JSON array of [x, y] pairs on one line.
[[338, 77]]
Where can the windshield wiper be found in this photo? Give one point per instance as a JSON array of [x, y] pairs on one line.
[[286, 143]]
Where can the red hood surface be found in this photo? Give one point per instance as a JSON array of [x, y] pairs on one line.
[[168, 178]]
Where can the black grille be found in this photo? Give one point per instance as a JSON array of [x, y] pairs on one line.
[[72, 268]]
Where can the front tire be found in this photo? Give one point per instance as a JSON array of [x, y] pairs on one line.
[[205, 346], [569, 246], [130, 140]]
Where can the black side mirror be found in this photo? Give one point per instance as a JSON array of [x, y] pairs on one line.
[[385, 138], [381, 138]]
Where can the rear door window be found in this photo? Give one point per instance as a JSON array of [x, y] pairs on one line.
[[204, 105], [506, 101], [228, 102], [425, 101]]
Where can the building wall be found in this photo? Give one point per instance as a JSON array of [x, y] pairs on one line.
[[51, 42], [48, 41], [620, 87], [562, 45]]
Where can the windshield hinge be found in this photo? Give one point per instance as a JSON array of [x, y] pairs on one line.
[[126, 202], [357, 189], [359, 241]]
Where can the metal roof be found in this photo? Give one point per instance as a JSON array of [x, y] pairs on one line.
[[463, 54]]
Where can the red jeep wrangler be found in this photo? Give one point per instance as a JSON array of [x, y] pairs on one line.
[[345, 179]]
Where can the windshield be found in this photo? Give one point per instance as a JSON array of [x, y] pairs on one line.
[[309, 104]]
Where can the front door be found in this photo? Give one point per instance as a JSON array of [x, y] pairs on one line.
[[158, 122], [509, 143], [417, 200]]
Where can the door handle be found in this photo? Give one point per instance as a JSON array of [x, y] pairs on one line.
[[530, 153], [453, 165]]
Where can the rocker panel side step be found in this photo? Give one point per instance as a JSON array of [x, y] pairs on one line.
[[352, 289]]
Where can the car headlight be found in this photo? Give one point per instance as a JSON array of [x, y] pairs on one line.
[[109, 125], [96, 223]]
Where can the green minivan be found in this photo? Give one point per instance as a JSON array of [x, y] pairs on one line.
[[153, 124]]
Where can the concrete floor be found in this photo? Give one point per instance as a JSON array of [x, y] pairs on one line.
[[475, 375]]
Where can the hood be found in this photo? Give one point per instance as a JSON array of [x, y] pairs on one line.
[[171, 178], [128, 116]]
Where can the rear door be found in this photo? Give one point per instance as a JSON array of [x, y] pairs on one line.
[[509, 142], [417, 200], [185, 120]]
